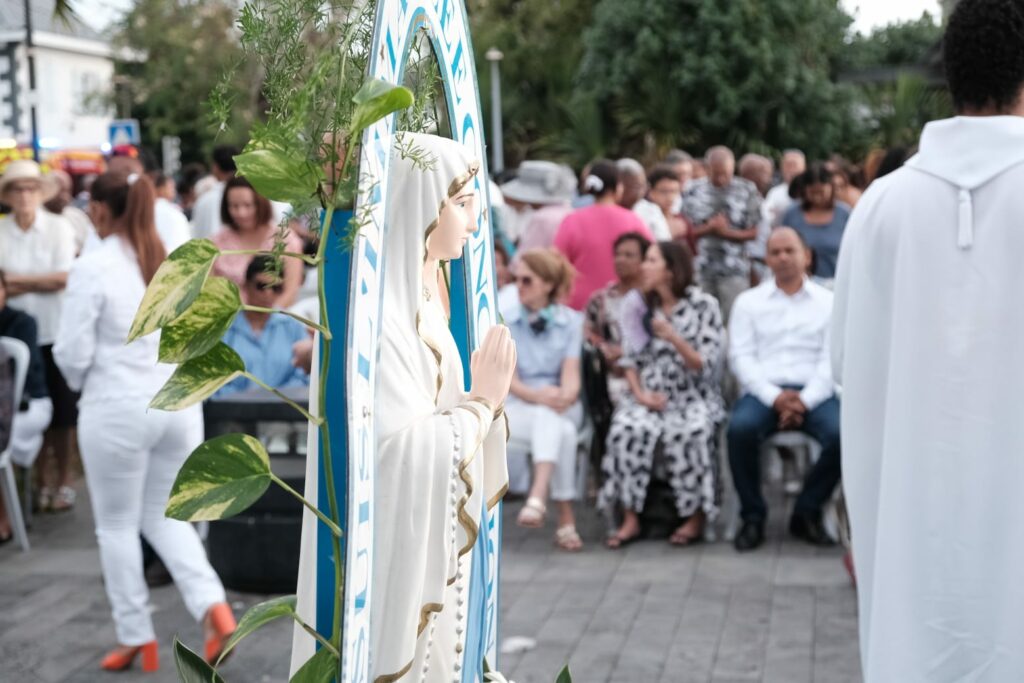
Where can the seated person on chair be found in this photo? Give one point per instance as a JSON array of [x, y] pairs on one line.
[[779, 353], [674, 400], [265, 340], [543, 408], [601, 327], [32, 417]]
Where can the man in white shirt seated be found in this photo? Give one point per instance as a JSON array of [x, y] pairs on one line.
[[779, 352]]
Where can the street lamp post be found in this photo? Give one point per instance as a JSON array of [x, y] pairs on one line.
[[494, 56]]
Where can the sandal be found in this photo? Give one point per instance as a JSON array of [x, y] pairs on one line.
[[64, 500], [566, 538], [533, 513]]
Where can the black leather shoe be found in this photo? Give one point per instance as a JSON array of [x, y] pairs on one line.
[[750, 537], [810, 529]]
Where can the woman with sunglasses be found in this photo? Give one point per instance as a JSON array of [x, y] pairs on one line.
[[543, 408], [131, 454], [265, 340]]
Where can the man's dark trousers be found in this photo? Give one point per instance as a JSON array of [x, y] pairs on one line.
[[752, 422]]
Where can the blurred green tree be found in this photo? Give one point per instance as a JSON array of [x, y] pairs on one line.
[[756, 76], [906, 43], [541, 40], [174, 53]]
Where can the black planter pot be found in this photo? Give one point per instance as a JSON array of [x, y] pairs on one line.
[[257, 551]]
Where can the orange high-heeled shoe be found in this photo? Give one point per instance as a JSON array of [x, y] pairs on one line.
[[221, 620], [121, 659]]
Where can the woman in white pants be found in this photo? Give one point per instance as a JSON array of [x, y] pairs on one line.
[[543, 408], [131, 454]]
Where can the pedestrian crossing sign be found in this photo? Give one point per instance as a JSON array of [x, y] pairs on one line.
[[124, 132]]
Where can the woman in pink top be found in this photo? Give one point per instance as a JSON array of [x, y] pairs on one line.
[[248, 223], [587, 236]]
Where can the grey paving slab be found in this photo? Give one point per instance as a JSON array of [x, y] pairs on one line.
[[647, 613]]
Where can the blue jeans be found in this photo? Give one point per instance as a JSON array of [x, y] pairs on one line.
[[752, 422]]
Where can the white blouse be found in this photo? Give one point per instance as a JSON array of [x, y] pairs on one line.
[[48, 246], [104, 290]]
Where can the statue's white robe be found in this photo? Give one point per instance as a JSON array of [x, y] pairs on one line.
[[928, 345], [439, 457]]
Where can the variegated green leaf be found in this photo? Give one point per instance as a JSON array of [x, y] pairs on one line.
[[221, 478], [278, 175], [203, 324], [258, 616], [198, 378], [191, 667], [177, 283], [320, 668], [376, 99]]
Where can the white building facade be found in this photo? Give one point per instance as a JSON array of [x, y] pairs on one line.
[[74, 72]]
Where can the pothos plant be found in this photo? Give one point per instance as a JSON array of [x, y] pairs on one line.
[[318, 101]]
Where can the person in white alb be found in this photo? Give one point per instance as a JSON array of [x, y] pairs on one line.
[[36, 252], [779, 352], [927, 346], [132, 454]]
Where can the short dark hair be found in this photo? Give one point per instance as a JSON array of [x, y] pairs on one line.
[[637, 237], [661, 172], [679, 262], [259, 265], [816, 174], [264, 211], [224, 157], [189, 176], [983, 52]]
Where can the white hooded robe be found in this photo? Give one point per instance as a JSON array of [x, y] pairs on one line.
[[928, 345]]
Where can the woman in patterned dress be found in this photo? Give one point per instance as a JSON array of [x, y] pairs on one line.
[[674, 399]]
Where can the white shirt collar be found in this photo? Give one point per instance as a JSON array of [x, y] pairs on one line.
[[804, 290]]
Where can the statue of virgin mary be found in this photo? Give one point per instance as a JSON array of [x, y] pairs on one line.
[[440, 453]]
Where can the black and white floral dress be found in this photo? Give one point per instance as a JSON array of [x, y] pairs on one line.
[[687, 427]]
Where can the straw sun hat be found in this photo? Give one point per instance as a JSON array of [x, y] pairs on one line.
[[28, 170]]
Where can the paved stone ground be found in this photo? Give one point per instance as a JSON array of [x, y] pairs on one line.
[[648, 613]]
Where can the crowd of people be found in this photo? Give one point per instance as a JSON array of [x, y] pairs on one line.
[[653, 311], [684, 309], [73, 270]]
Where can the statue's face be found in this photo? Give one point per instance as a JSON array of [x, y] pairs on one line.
[[455, 225]]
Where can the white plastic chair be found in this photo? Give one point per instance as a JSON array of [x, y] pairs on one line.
[[806, 451], [17, 350]]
